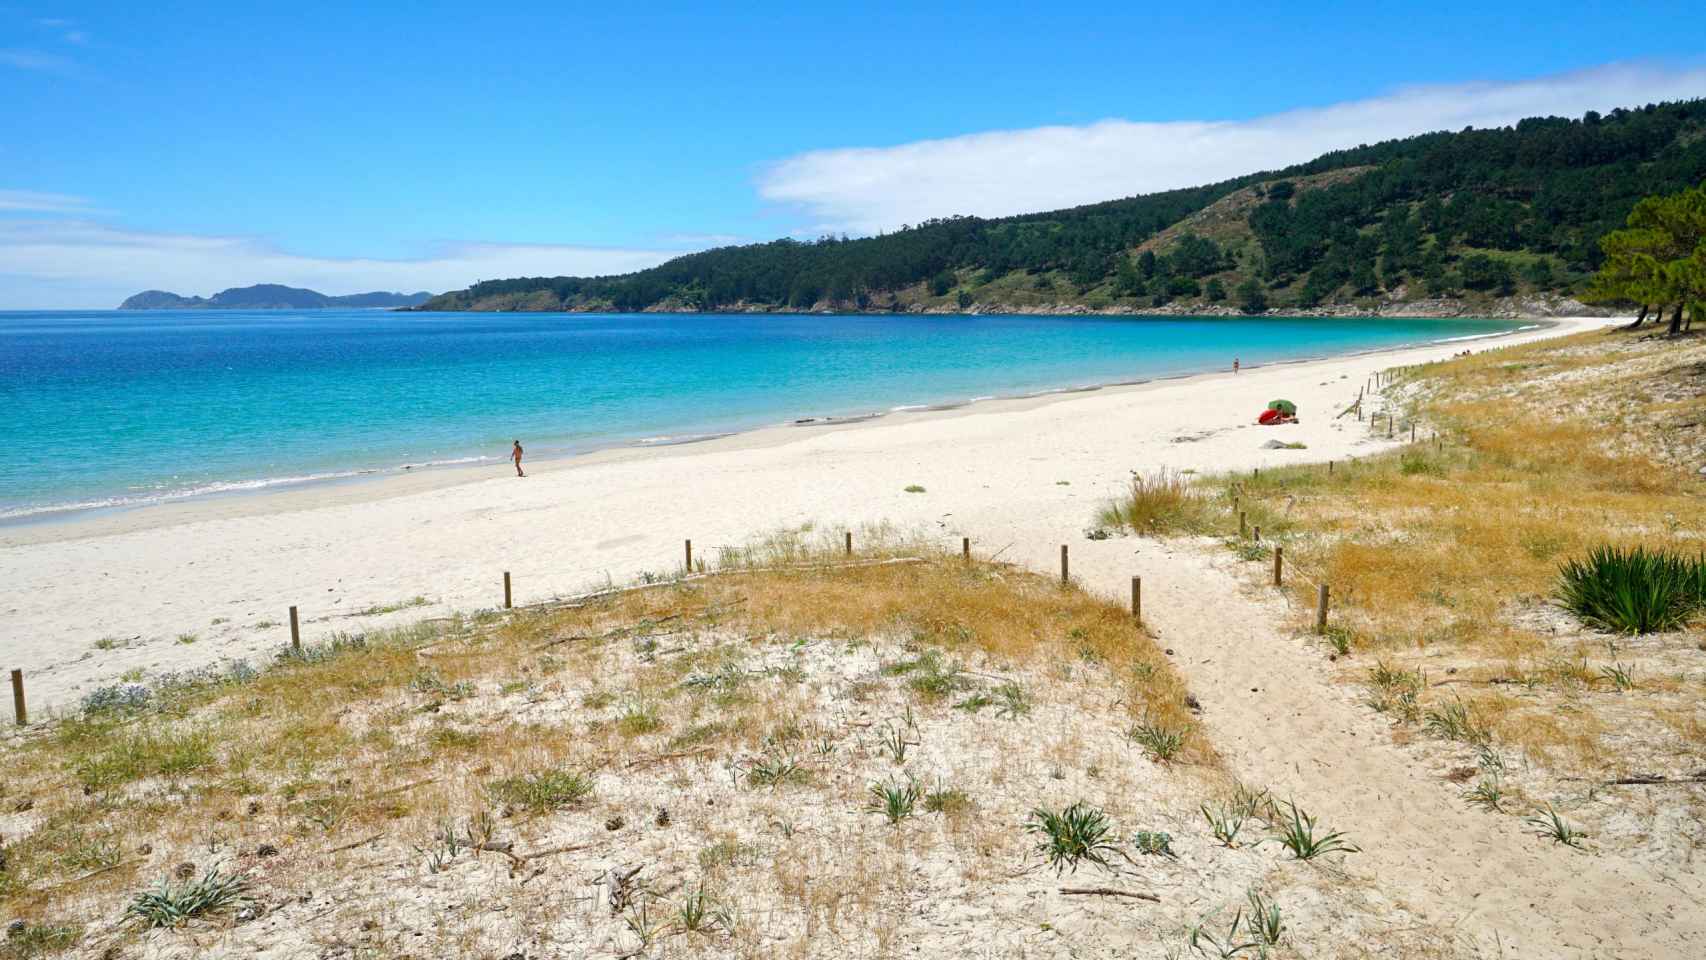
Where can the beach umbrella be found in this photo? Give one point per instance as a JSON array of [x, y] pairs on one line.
[[1283, 406]]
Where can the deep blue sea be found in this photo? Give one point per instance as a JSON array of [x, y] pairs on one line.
[[107, 409]]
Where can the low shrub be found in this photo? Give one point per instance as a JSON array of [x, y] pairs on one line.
[[1634, 590]]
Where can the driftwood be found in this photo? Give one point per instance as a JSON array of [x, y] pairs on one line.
[[358, 843], [616, 881], [1109, 892], [1646, 781], [663, 757], [407, 786], [549, 851], [613, 633]]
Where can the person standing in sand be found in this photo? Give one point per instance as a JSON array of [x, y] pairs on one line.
[[1235, 366], [516, 456]]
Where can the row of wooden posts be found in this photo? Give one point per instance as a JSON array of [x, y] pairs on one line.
[[847, 544]]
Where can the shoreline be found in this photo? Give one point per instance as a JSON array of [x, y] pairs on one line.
[[185, 585], [472, 467]]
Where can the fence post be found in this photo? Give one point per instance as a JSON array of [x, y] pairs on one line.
[[1258, 533], [1321, 609], [689, 547], [965, 549], [1412, 431], [1243, 530], [1329, 468], [849, 543], [507, 604], [1137, 599], [1279, 562], [295, 632], [18, 698], [1064, 576]]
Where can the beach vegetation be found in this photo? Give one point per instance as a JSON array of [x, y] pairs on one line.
[[1159, 502], [1076, 834], [1297, 833], [895, 800], [542, 790], [1634, 589], [172, 904], [1552, 825]]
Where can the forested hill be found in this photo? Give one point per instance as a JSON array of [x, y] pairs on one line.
[[1473, 215]]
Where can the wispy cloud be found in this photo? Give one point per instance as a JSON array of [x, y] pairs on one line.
[[702, 240], [76, 263], [37, 61], [865, 189], [32, 201]]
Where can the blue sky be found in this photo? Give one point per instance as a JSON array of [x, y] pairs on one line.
[[188, 146]]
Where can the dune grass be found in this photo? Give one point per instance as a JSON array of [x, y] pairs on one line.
[[1162, 502]]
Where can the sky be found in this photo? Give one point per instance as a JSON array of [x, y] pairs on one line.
[[405, 146]]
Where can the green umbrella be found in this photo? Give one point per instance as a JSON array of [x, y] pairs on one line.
[[1283, 406]]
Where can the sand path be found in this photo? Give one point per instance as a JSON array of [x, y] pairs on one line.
[[1272, 711]]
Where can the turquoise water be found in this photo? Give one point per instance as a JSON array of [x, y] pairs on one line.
[[105, 408]]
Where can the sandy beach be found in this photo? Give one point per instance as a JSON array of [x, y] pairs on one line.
[[182, 585]]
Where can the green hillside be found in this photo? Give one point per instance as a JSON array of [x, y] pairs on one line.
[[1473, 216]]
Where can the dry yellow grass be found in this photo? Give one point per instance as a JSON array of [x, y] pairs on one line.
[[1443, 556], [497, 725]]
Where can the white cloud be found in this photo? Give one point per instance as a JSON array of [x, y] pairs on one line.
[[33, 60], [700, 241], [33, 201], [47, 264], [865, 189]]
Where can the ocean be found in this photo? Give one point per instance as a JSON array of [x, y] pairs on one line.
[[111, 409]]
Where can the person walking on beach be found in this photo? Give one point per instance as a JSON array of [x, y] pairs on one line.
[[1234, 366], [516, 456]]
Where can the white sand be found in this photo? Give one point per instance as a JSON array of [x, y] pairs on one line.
[[1016, 475], [992, 472]]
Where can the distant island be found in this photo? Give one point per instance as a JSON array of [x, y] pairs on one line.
[[1493, 222], [270, 296]]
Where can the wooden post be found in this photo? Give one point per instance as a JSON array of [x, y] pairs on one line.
[[849, 543], [1389, 426], [1412, 431], [965, 548], [689, 544], [1329, 468], [1065, 577], [1279, 562], [1321, 610], [1258, 532], [295, 632], [1137, 599], [507, 604], [1243, 531], [18, 698]]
